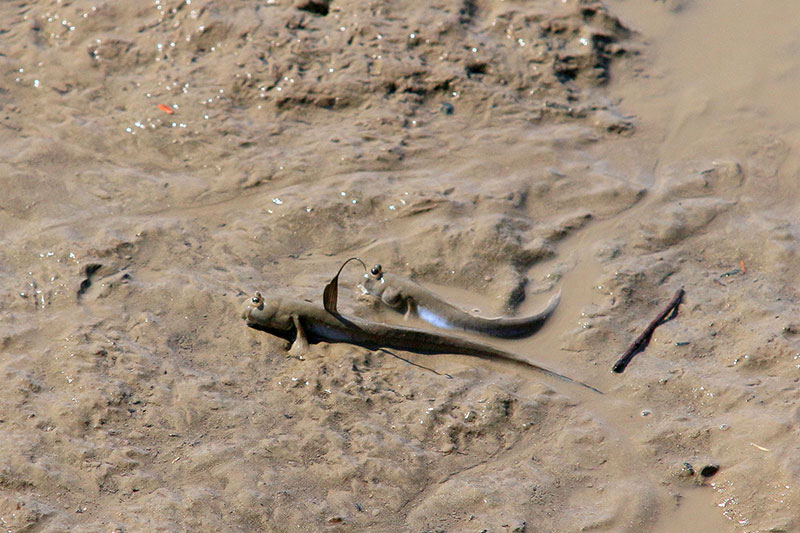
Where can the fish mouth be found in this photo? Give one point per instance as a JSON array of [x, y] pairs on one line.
[[247, 308], [366, 295]]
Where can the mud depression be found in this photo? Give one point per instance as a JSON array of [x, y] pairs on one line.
[[161, 161]]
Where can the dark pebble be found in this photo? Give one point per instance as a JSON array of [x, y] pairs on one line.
[[709, 470]]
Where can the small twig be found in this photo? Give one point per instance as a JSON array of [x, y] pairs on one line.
[[642, 341], [448, 376]]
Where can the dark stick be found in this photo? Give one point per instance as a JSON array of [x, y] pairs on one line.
[[644, 339]]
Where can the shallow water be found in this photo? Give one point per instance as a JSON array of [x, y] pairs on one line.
[[476, 148]]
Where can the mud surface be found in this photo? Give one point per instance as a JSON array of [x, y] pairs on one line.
[[161, 161]]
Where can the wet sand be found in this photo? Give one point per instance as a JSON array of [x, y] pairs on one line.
[[495, 151]]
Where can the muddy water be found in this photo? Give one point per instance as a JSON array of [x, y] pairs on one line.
[[476, 147], [727, 74]]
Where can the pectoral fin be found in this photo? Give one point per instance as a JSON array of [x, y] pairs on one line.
[[300, 344], [411, 308], [392, 297]]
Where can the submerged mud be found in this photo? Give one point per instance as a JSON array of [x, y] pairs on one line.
[[162, 161]]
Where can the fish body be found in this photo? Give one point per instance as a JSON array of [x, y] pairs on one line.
[[308, 322], [408, 297]]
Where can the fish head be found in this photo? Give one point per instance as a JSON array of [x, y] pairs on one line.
[[373, 282], [265, 312]]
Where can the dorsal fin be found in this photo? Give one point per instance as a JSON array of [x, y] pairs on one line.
[[330, 295]]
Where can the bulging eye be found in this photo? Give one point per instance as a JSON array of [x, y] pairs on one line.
[[257, 299], [376, 270]]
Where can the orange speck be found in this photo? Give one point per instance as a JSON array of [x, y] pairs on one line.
[[741, 264], [166, 109]]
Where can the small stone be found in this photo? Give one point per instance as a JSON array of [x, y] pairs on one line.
[[683, 471]]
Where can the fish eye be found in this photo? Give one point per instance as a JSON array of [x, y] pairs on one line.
[[376, 270], [257, 299]]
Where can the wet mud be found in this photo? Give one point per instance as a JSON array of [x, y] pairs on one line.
[[161, 161]]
